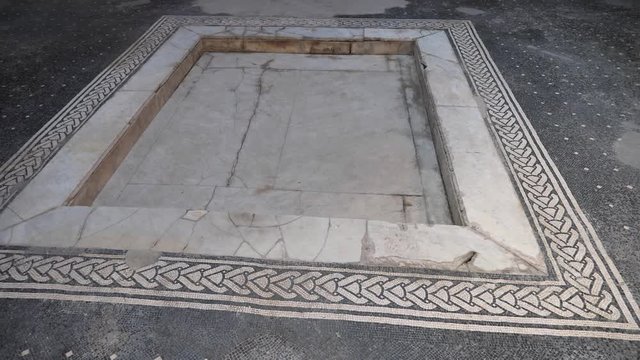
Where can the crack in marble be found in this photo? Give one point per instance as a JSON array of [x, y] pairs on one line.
[[253, 115], [286, 133], [440, 58], [324, 243], [236, 96], [20, 219], [165, 231], [23, 220], [193, 229], [213, 194], [286, 253], [280, 242], [511, 251], [84, 224], [466, 260], [135, 211], [261, 226], [331, 192]]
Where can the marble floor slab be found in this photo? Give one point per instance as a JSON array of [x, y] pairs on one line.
[[289, 134]]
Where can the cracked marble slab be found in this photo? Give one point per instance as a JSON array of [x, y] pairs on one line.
[[277, 237], [300, 131]]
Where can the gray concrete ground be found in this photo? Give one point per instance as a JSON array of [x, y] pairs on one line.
[[573, 66]]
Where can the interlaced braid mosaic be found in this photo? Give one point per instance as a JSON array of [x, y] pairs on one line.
[[583, 296]]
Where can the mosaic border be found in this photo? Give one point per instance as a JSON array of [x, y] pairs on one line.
[[588, 298]]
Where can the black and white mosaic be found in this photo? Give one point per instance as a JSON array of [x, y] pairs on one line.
[[584, 295]]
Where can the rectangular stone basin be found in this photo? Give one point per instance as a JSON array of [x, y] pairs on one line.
[[334, 145], [289, 134]]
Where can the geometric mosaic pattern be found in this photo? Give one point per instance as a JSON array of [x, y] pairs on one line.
[[584, 295], [291, 284]]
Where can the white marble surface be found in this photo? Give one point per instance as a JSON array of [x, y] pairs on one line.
[[291, 32], [215, 60], [158, 68], [349, 133], [59, 227], [280, 237], [436, 205], [397, 34], [288, 134], [491, 205], [436, 44], [8, 217], [180, 196], [439, 246], [74, 161], [395, 208], [482, 185]]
